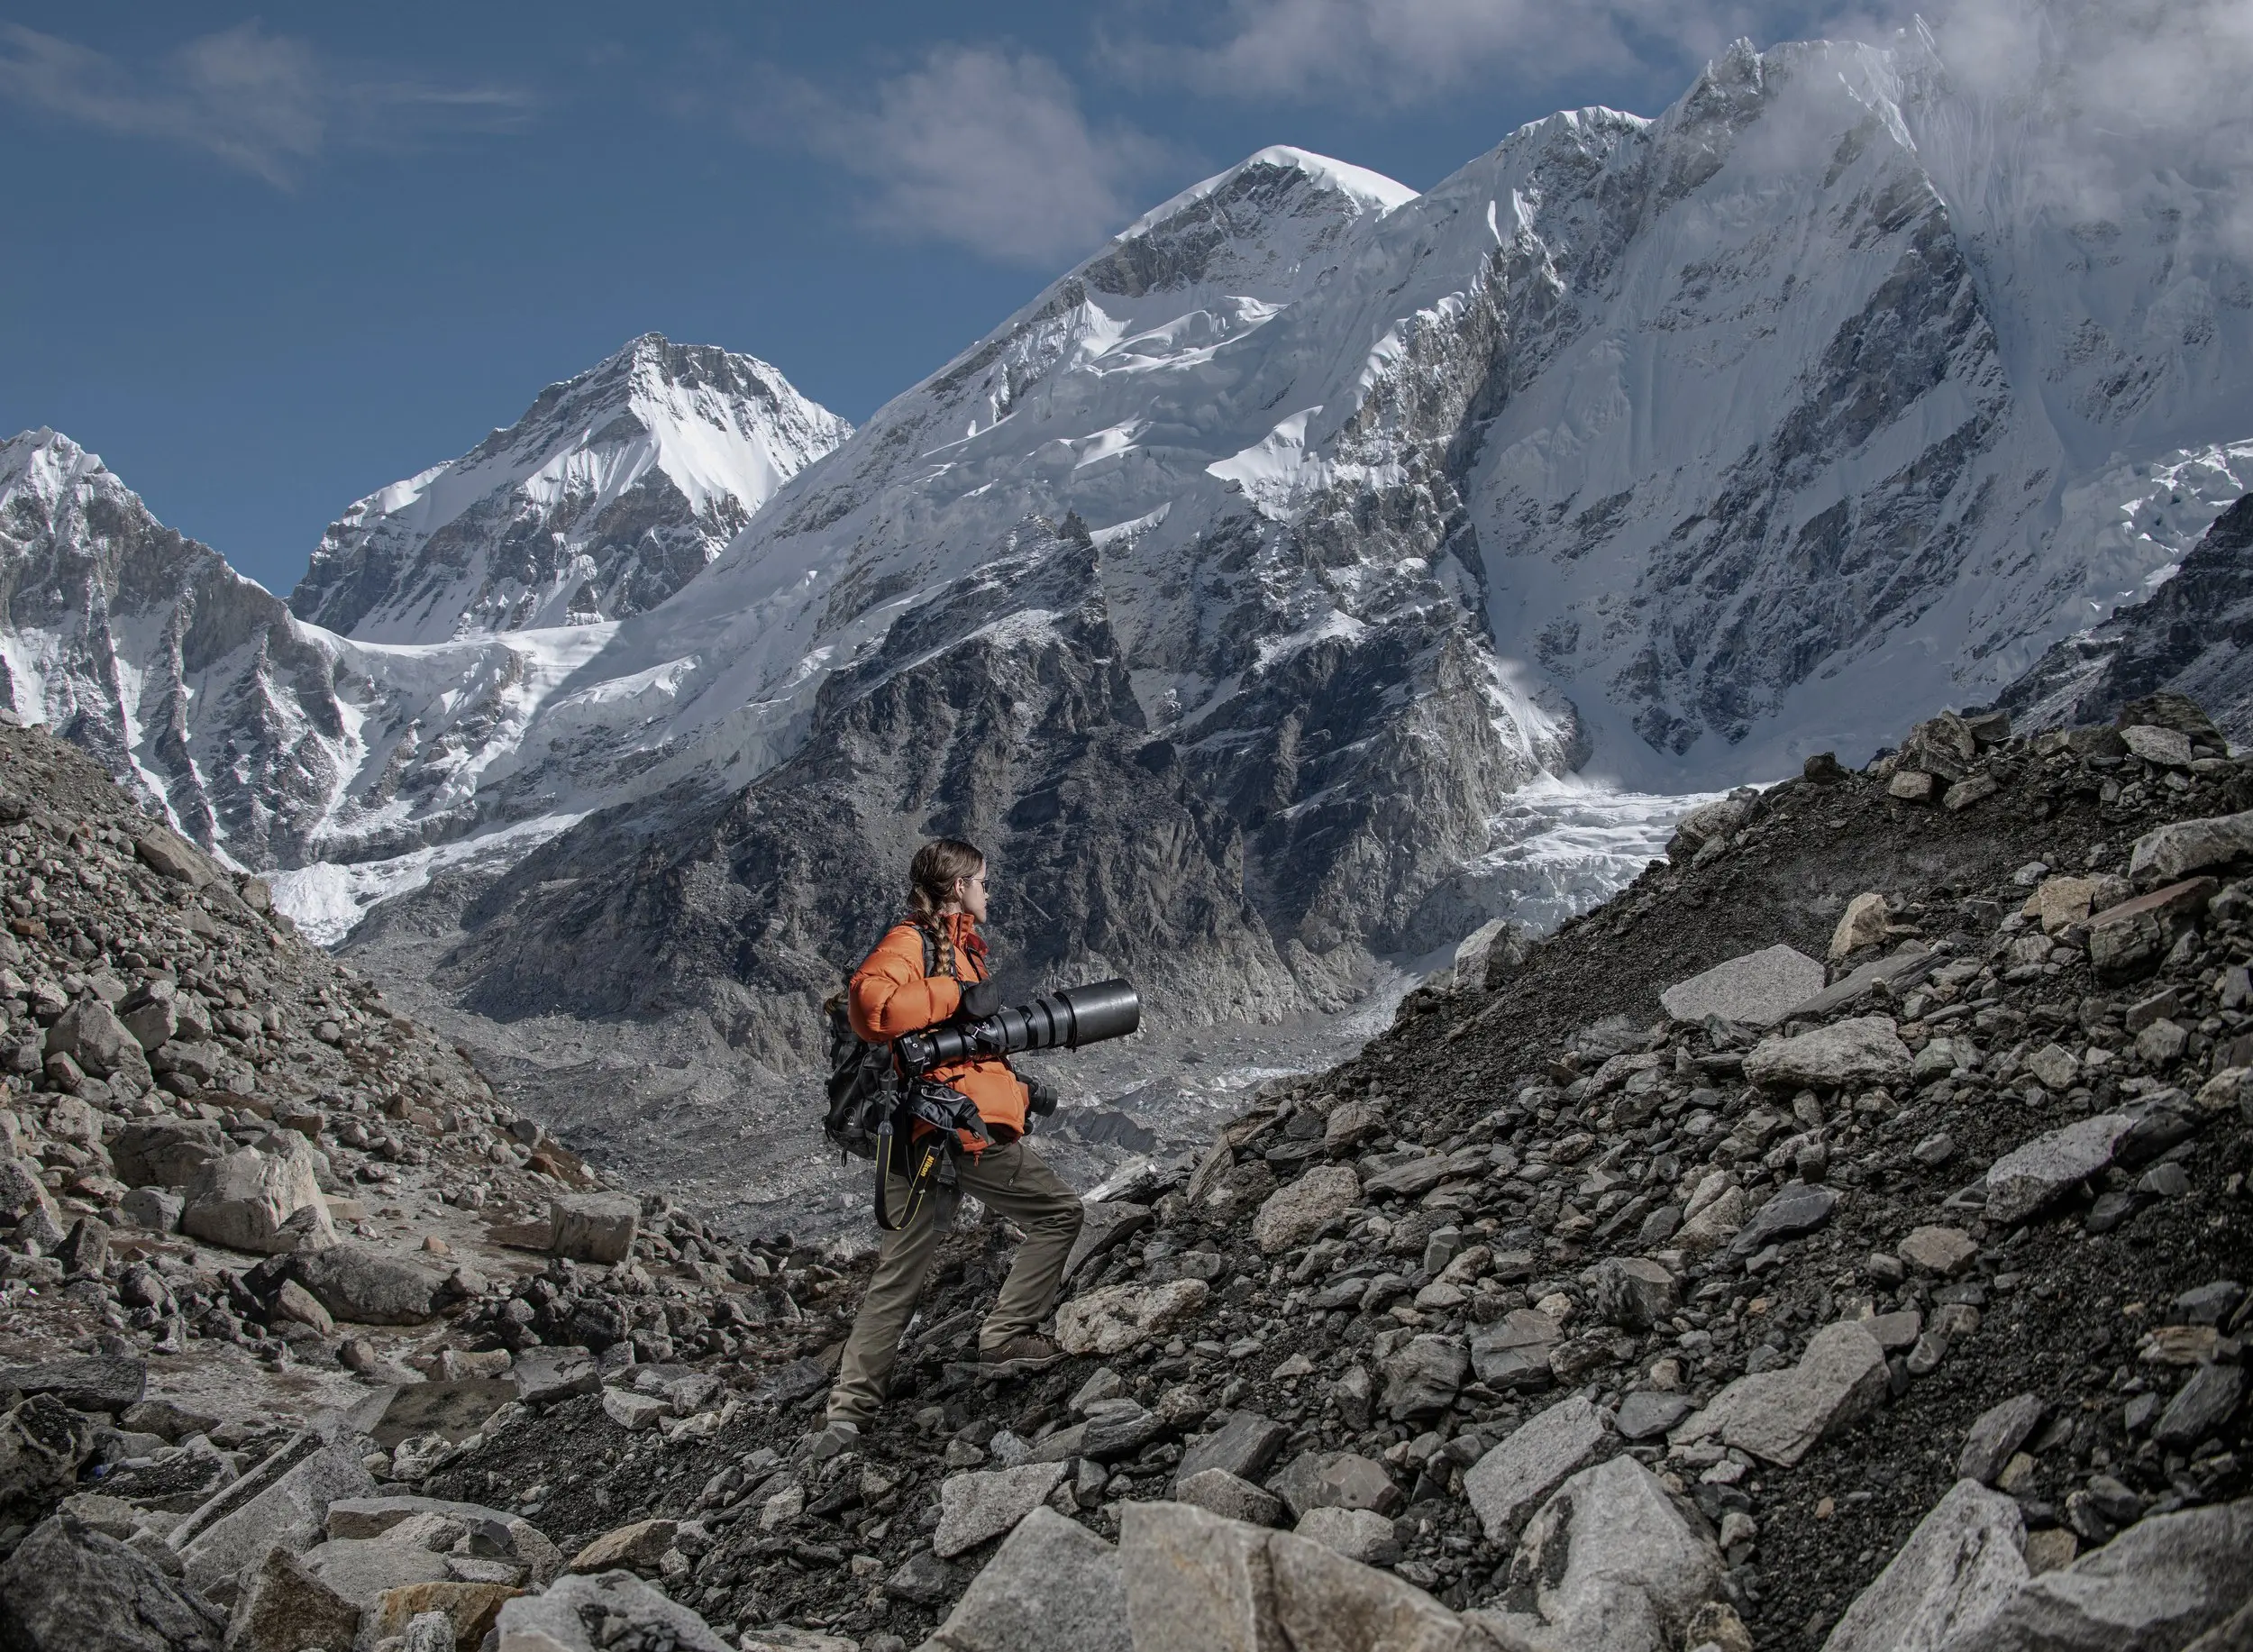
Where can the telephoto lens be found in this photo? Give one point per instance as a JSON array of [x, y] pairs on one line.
[[1066, 1021]]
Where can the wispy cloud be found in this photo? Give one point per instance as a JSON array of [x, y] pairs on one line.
[[982, 147], [1397, 52], [266, 103]]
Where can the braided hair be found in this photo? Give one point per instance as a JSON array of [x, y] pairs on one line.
[[932, 875]]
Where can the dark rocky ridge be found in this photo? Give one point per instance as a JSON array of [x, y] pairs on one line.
[[1535, 1209], [2194, 636]]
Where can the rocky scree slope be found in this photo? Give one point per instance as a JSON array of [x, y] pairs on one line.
[[2194, 636], [1553, 1319], [240, 1202], [1896, 1281]]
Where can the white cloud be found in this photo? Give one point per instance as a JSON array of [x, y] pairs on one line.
[[1400, 51], [263, 102], [985, 148]]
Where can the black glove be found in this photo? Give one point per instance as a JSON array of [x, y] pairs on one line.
[[1040, 1100], [980, 998]]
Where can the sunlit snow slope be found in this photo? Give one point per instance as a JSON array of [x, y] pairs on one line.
[[610, 494]]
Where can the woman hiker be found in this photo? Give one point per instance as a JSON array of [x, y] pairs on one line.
[[891, 995]]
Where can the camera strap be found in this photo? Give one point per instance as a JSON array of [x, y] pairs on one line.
[[949, 1113]]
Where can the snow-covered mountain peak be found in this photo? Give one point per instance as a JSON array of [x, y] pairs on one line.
[[610, 493]]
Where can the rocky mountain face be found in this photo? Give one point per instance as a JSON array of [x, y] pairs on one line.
[[610, 494], [1831, 1241], [2194, 636]]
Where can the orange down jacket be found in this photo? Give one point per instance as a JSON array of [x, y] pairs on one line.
[[891, 995]]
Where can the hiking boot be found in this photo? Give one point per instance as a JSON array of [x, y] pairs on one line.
[[1018, 1355], [833, 1438]]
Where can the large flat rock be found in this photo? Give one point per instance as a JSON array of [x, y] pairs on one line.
[[1756, 989]]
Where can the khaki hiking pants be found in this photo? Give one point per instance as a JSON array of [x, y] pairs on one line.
[[1009, 1179]]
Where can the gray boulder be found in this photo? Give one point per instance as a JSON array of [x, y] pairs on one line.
[[165, 1152], [1960, 1567], [245, 1200], [560, 1620], [1865, 1050], [84, 1383], [594, 1227], [69, 1589], [1055, 1586], [2026, 1179], [42, 1442], [91, 1035], [1609, 1563], [1757, 988], [1510, 1480], [975, 1507], [2178, 850], [1778, 1415], [283, 1608], [543, 1375], [2159, 1585], [284, 1501], [366, 1287]]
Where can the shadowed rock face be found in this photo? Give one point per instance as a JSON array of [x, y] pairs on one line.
[[126, 623], [2194, 636]]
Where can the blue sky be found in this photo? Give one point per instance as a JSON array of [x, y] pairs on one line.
[[266, 263]]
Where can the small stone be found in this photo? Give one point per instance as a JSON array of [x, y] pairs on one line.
[[633, 1411], [1944, 1251], [1358, 1534], [1421, 1379], [1223, 1493], [924, 1579], [1646, 1415], [1298, 1211], [1962, 794], [637, 1547], [2049, 1549], [1999, 1432], [1636, 1293], [1243, 1449], [1863, 923], [1910, 786], [2053, 1067], [2161, 1043], [1796, 1209], [2202, 1405], [1934, 1150]]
